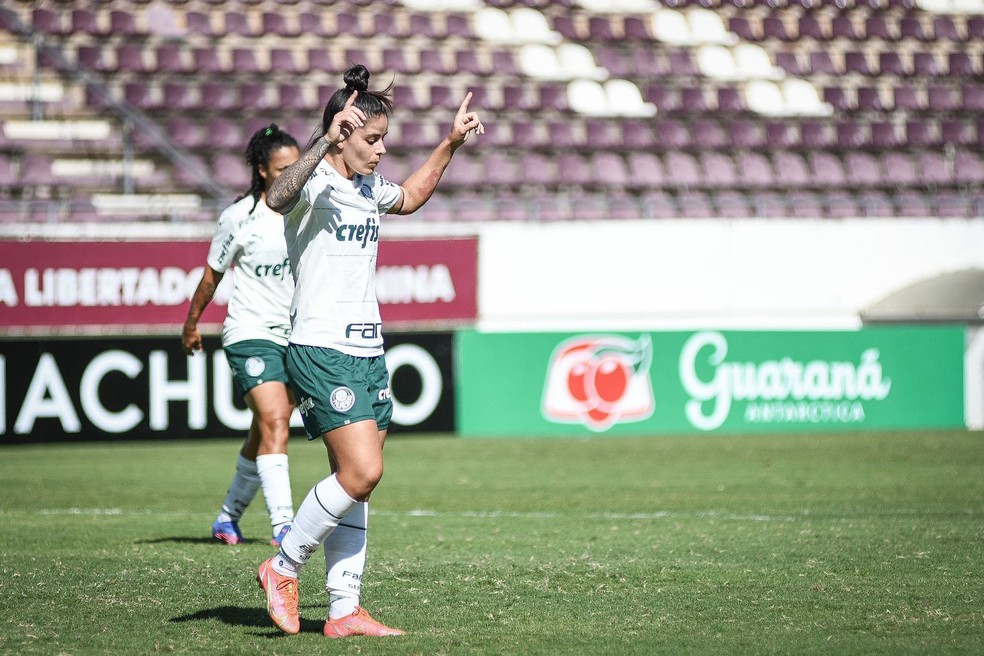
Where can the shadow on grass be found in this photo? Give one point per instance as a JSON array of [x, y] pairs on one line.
[[180, 540], [249, 617]]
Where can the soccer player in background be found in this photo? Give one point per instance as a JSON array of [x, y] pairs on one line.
[[250, 236], [332, 200]]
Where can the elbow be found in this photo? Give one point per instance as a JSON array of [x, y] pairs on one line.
[[278, 204]]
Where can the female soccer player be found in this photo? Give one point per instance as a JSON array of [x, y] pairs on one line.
[[332, 200], [251, 236]]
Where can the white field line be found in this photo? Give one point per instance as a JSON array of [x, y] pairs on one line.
[[478, 514]]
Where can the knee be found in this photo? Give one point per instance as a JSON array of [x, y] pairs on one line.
[[360, 482], [275, 425]]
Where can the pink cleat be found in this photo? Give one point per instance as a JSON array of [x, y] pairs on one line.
[[358, 623], [281, 595]]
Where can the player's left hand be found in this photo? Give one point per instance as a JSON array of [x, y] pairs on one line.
[[465, 123]]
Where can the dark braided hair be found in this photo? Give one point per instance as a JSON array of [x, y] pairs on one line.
[[263, 142], [372, 103]]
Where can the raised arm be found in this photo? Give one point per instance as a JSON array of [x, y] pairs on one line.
[[420, 186], [283, 193]]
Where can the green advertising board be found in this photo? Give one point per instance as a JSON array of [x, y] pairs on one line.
[[551, 384]]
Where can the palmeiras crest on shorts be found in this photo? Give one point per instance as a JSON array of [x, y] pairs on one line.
[[255, 366], [342, 399], [599, 381]]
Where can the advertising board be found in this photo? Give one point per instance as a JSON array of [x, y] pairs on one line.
[[558, 384], [113, 287], [146, 387]]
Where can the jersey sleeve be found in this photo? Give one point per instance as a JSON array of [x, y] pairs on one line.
[[224, 248], [387, 194]]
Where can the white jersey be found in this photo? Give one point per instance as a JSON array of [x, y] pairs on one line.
[[263, 286], [332, 238]]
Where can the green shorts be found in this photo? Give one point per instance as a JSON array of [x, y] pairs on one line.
[[256, 361], [334, 389]]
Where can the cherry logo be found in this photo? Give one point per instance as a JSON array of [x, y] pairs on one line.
[[599, 381]]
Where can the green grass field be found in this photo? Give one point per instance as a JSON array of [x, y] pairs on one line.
[[835, 544]]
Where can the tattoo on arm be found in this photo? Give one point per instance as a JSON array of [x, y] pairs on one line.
[[285, 189], [201, 299]]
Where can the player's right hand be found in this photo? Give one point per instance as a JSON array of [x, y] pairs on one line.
[[191, 339], [345, 121]]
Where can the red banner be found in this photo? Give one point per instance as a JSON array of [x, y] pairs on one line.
[[137, 286]]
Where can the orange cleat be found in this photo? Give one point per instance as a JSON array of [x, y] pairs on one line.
[[358, 623], [281, 595]]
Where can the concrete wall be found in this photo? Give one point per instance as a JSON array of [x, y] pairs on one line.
[[715, 273]]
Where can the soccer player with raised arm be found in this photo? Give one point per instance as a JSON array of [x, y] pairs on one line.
[[332, 200]]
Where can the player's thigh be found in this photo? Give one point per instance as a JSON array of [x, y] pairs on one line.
[[356, 448]]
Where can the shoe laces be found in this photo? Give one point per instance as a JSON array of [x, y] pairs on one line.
[[289, 593]]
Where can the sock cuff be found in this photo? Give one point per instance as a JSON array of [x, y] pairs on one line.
[[246, 465], [333, 498], [270, 460]]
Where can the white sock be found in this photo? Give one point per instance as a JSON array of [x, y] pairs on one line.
[[345, 561], [241, 492], [275, 477], [320, 512]]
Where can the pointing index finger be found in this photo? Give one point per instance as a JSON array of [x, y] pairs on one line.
[[464, 104]]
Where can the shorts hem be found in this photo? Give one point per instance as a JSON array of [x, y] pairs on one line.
[[352, 420]]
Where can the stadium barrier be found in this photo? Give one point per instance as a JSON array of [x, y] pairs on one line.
[[563, 384]]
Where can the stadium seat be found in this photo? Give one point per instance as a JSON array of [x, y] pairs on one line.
[[909, 203], [958, 132], [646, 169], [709, 134], [934, 168], [48, 21], [873, 202], [840, 204], [863, 169], [277, 24], [200, 23], [818, 134], [968, 168], [672, 134], [746, 133], [804, 204], [35, 169], [730, 204], [130, 59], [683, 169], [610, 170], [287, 62], [695, 204], [792, 170], [123, 23], [502, 169], [658, 204], [755, 171], [225, 133], [575, 169], [539, 170], [85, 21], [238, 23], [972, 97], [852, 134], [209, 63], [718, 169], [189, 134], [171, 59]]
